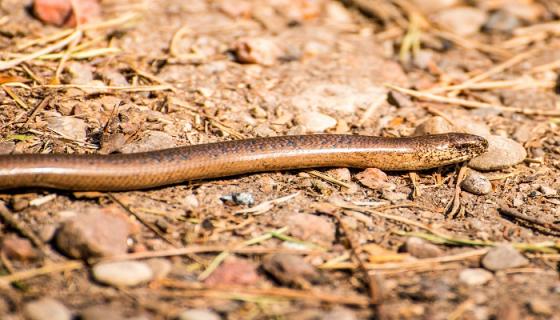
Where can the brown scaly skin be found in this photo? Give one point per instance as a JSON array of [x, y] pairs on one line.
[[164, 167]]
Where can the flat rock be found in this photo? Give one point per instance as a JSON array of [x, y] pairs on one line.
[[18, 248], [312, 228], [429, 6], [199, 314], [503, 257], [46, 309], [339, 98], [434, 125], [93, 234], [291, 269], [104, 312], [314, 121], [502, 153], [421, 249], [69, 127], [151, 140], [160, 267], [375, 179], [475, 277], [476, 183], [122, 273], [462, 21], [234, 271]]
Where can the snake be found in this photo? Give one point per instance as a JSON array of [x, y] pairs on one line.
[[144, 170]]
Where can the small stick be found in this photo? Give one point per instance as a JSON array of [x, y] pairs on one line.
[[510, 212]]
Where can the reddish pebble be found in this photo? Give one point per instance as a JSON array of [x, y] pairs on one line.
[[18, 248], [66, 12], [234, 271], [373, 178]]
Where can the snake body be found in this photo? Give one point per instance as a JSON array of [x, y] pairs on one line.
[[116, 172]]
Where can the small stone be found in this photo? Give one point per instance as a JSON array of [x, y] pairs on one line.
[[475, 277], [502, 153], [507, 310], [471, 126], [234, 271], [262, 51], [7, 147], [421, 249], [160, 267], [547, 191], [93, 234], [339, 98], [342, 174], [429, 6], [375, 179], [114, 77], [291, 269], [476, 183], [18, 248], [340, 313], [122, 273], [462, 21], [434, 125], [393, 196], [502, 21], [503, 257], [104, 312], [540, 307], [199, 314], [312, 228], [46, 309], [81, 73], [68, 127], [151, 140], [190, 201], [239, 198], [314, 121], [67, 12]]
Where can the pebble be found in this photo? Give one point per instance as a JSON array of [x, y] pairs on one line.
[[421, 249], [502, 153], [69, 127], [104, 312], [471, 126], [312, 228], [114, 77], [122, 273], [462, 21], [475, 277], [199, 314], [18, 248], [81, 73], [46, 309], [433, 125], [263, 51], [151, 140], [7, 147], [291, 269], [160, 267], [375, 179], [502, 21], [314, 121], [476, 183], [93, 234], [393, 196], [429, 6], [340, 313], [234, 271], [547, 191], [190, 201], [239, 198], [64, 12], [503, 257], [339, 98], [540, 307]]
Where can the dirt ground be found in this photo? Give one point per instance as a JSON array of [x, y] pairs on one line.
[[303, 244]]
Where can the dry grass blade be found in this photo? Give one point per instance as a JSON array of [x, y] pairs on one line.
[[50, 268], [472, 104], [116, 88], [14, 96], [503, 84], [266, 205], [54, 47]]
